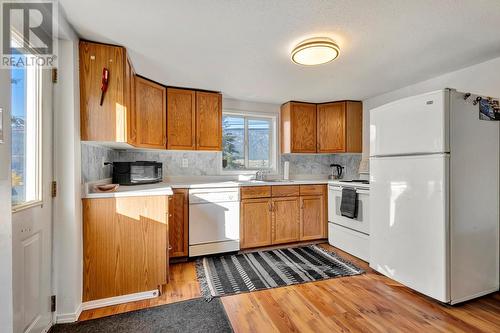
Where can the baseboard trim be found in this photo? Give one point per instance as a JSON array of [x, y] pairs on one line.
[[64, 318], [99, 303]]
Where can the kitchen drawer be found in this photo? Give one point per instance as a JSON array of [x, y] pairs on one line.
[[350, 241], [286, 191], [312, 189], [251, 192]]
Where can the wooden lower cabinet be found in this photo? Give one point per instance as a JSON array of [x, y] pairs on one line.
[[289, 218], [255, 223], [312, 219], [286, 219], [178, 220], [125, 245]]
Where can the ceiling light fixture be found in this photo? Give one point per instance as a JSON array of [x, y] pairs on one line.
[[315, 51]]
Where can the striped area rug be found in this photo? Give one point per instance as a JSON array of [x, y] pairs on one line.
[[240, 273]]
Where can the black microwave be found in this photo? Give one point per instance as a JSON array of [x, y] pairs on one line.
[[136, 173]]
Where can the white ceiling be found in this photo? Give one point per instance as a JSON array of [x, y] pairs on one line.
[[242, 47]]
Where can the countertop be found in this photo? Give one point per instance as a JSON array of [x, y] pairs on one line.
[[166, 187]]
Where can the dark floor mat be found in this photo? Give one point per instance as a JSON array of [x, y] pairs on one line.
[[195, 315]]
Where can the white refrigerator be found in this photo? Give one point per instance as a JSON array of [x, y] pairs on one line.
[[434, 197]]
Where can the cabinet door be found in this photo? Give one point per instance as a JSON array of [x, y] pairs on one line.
[[208, 121], [150, 113], [106, 122], [331, 127], [181, 119], [303, 127], [130, 97], [312, 217], [178, 223], [354, 127], [124, 245], [286, 219], [255, 223]]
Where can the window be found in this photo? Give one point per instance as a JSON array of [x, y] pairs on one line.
[[248, 142], [26, 135]]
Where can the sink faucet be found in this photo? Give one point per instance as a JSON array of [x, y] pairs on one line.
[[259, 175]]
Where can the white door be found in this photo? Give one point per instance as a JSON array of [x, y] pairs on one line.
[[409, 221], [32, 216], [5, 213], [414, 125]]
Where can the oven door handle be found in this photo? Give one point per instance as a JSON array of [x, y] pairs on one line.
[[361, 191], [358, 190]]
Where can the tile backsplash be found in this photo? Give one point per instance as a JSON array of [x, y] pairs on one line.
[[199, 163], [93, 157], [319, 164], [206, 163]]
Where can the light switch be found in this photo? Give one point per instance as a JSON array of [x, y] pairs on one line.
[[184, 162]]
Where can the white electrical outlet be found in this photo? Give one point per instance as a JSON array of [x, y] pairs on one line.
[[184, 162]]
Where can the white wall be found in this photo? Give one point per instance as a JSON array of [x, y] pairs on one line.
[[482, 79], [6, 314], [68, 244], [234, 104]]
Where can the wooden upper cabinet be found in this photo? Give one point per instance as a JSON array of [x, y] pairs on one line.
[[150, 113], [130, 97], [256, 223], [181, 119], [340, 127], [109, 121], [178, 219], [354, 127], [208, 121], [298, 128], [332, 127]]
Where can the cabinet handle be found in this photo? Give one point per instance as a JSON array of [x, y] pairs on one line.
[[169, 215], [270, 207]]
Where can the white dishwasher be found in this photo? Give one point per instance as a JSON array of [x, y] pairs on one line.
[[214, 220]]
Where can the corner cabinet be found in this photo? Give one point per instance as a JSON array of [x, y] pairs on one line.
[[111, 121], [334, 127], [150, 114], [125, 246]]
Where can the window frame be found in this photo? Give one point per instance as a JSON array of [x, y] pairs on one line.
[[37, 138], [274, 142]]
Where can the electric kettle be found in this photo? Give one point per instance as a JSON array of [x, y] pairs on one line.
[[336, 171]]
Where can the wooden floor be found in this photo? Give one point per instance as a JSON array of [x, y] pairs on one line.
[[363, 303]]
